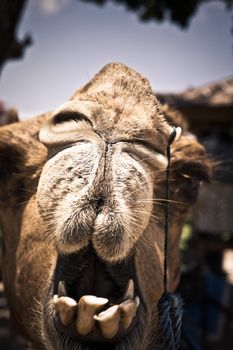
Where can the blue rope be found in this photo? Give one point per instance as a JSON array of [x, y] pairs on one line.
[[170, 321], [169, 305]]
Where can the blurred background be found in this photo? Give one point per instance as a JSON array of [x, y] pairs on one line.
[[49, 48], [72, 39]]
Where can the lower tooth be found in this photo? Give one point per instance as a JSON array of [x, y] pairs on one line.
[[129, 293], [109, 321], [87, 307], [66, 308], [128, 310], [62, 289]]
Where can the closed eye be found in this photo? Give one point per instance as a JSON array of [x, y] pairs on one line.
[[146, 152], [64, 117], [65, 128], [149, 146]]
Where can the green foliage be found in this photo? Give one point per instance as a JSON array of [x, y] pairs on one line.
[[10, 15], [179, 12], [186, 236]]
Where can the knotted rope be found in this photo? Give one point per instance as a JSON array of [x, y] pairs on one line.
[[170, 304]]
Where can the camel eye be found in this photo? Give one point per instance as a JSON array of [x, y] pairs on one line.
[[147, 145], [65, 127], [150, 146], [64, 117]]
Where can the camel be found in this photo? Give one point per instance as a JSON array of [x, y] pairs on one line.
[[7, 116], [82, 198]]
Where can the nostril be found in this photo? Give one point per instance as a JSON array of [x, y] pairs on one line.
[[99, 204]]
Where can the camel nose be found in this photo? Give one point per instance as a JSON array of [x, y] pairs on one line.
[[99, 204]]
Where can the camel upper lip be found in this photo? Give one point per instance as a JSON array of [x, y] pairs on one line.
[[83, 284]]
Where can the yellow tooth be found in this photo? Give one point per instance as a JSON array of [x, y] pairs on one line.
[[66, 308], [129, 293], [55, 298], [62, 289], [87, 307], [109, 321], [128, 310]]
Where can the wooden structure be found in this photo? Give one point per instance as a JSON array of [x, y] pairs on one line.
[[209, 112], [206, 108]]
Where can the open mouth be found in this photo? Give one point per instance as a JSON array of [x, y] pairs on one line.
[[94, 301]]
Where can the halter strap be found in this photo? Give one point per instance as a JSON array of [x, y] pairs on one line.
[[167, 207]]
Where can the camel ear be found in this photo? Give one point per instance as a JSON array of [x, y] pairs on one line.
[[11, 160], [190, 165], [10, 157], [21, 158]]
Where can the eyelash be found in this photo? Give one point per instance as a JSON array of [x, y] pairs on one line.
[[66, 117], [147, 145]]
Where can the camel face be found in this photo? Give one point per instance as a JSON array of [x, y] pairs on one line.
[[89, 234], [105, 154]]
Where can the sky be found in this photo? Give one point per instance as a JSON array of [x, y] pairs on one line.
[[74, 40]]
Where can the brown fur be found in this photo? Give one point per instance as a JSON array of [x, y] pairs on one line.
[[118, 109], [8, 116]]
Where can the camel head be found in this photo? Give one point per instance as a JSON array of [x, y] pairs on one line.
[[82, 200]]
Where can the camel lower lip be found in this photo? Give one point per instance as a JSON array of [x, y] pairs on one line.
[[109, 325], [94, 317]]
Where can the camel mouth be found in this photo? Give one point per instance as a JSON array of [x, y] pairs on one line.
[[94, 301]]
